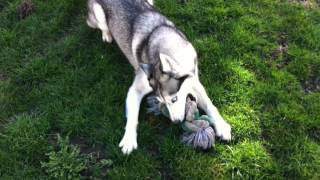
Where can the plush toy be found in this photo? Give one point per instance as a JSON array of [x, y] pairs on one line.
[[198, 131]]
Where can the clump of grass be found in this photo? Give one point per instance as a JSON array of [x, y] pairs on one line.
[[68, 163], [23, 145]]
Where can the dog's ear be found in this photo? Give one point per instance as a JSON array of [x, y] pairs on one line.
[[168, 65]]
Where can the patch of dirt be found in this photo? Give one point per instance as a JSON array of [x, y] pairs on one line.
[[312, 85], [25, 9], [306, 3], [3, 77], [183, 1], [166, 172], [314, 133], [282, 51], [98, 153], [97, 149], [282, 58]]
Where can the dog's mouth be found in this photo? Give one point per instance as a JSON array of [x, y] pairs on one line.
[[192, 98], [157, 108]]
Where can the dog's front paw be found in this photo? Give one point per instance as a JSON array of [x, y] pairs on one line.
[[223, 130], [128, 144]]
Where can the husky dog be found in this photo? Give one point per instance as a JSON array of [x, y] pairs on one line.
[[164, 61]]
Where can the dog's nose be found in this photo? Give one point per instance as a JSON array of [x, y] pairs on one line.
[[176, 119]]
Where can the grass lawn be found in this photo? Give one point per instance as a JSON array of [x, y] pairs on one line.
[[62, 94]]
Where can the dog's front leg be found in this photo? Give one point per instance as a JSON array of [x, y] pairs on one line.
[[223, 129], [137, 91]]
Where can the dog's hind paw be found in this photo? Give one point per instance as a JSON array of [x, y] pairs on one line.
[[128, 144], [223, 130], [106, 36]]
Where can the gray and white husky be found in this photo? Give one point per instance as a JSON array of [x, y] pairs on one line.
[[165, 62]]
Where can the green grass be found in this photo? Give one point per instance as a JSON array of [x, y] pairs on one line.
[[55, 79]]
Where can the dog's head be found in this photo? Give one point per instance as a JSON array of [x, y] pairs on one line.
[[172, 80]]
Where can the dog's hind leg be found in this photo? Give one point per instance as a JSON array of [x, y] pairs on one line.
[[223, 129], [150, 2], [137, 91], [97, 19]]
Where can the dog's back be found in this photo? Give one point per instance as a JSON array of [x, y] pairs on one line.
[[130, 23]]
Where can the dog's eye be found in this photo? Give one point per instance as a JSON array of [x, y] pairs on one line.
[[173, 100]]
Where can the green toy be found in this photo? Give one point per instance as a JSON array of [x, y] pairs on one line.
[[198, 131]]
